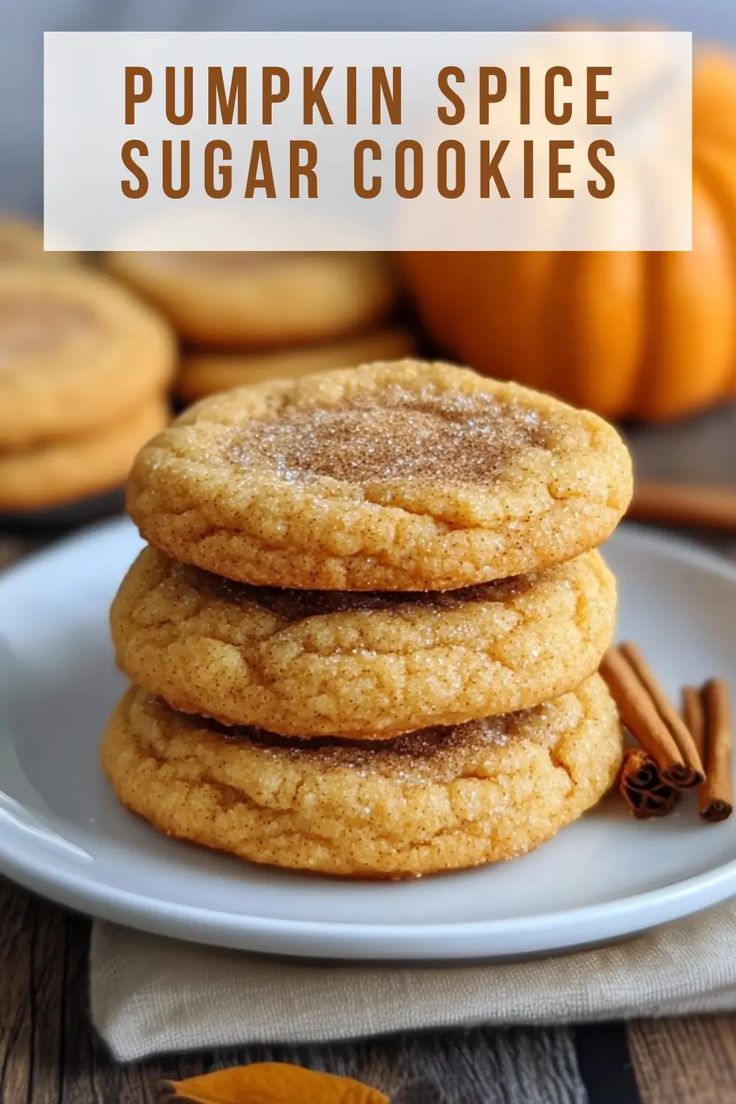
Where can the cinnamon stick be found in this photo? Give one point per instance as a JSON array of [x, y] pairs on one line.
[[642, 787], [640, 715], [694, 717], [716, 793], [709, 507], [694, 773]]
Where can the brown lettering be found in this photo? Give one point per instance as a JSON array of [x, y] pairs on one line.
[[222, 171], [260, 171], [227, 104], [363, 190], [556, 169], [136, 74], [451, 72], [403, 150], [486, 75], [171, 190], [528, 169], [444, 187], [608, 184], [274, 89], [594, 94], [553, 115], [299, 169], [490, 171], [351, 96], [386, 94], [524, 95], [179, 118], [129, 190], [313, 97]]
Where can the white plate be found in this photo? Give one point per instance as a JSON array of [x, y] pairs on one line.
[[63, 834]]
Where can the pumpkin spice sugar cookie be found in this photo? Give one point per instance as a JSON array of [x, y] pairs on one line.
[[77, 352], [435, 800], [231, 299], [396, 476], [311, 663]]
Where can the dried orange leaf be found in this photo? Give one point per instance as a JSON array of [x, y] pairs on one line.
[[274, 1083]]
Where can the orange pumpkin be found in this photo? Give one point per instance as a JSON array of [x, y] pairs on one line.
[[650, 335]]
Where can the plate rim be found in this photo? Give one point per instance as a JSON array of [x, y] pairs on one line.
[[542, 932]]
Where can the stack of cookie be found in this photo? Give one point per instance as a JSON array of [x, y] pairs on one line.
[[364, 637], [84, 369], [249, 317]]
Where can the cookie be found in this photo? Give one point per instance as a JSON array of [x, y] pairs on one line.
[[76, 352], [440, 799], [315, 663], [400, 476], [204, 374], [73, 468], [22, 240], [261, 299]]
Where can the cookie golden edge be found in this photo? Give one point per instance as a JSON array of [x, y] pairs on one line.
[[331, 535], [294, 299], [208, 647], [77, 467], [312, 810]]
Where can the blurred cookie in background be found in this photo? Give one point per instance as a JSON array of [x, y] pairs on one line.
[[22, 240], [262, 300], [73, 468], [204, 373], [84, 369], [77, 353]]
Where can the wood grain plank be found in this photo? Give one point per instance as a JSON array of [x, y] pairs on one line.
[[89, 1074], [692, 1058], [32, 938], [46, 998], [15, 1014]]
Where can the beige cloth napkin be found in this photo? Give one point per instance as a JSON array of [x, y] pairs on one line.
[[151, 995]]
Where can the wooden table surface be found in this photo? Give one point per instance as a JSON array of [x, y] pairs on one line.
[[50, 1055]]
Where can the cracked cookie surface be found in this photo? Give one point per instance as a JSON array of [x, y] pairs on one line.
[[311, 663], [393, 476], [77, 353], [436, 800]]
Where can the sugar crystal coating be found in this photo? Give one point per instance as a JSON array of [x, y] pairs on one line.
[[399, 433]]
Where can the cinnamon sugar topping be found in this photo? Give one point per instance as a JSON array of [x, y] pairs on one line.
[[438, 744], [298, 605], [398, 433]]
